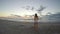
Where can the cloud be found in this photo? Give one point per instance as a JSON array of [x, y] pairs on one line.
[[53, 17], [26, 7], [49, 13], [32, 8], [15, 15], [41, 8]]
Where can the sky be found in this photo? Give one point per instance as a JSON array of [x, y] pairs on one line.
[[18, 7]]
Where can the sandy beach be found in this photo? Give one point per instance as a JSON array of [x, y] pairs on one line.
[[15, 27]]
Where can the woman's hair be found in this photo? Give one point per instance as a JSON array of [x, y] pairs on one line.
[[36, 15]]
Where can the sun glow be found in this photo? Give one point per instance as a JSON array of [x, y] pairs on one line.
[[23, 13]]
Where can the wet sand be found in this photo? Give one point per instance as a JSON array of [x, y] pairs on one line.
[[14, 27]]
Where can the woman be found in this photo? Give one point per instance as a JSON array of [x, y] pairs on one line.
[[36, 22]]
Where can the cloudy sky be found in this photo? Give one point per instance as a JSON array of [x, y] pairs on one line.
[[18, 7]]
